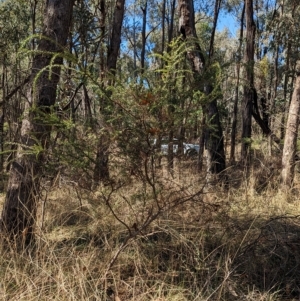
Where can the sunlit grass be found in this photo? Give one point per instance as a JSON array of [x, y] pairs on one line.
[[234, 242]]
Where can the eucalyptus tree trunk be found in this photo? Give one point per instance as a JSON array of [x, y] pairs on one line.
[[249, 83], [171, 22], [273, 96], [163, 19], [285, 87], [144, 38], [291, 134], [3, 87], [214, 139], [214, 142], [115, 38], [20, 207], [215, 147], [289, 9], [101, 169], [102, 20], [236, 94], [212, 38]]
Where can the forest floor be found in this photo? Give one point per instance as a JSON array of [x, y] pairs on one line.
[[162, 239]]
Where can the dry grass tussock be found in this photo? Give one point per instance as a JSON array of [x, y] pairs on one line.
[[162, 239]]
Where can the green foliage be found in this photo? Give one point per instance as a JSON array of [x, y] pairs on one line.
[[173, 61], [150, 232], [204, 32], [14, 23]]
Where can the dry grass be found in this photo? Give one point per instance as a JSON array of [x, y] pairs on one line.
[[163, 240]]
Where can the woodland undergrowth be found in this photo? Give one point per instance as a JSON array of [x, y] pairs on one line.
[[152, 236]]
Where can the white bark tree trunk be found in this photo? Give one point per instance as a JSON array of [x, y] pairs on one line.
[[291, 135]]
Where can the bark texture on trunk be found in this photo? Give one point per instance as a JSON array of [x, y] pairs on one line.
[[144, 37], [213, 133], [188, 32], [101, 170], [291, 134], [249, 83], [214, 141], [115, 40], [19, 211], [236, 94]]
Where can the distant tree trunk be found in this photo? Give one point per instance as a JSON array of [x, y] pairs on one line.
[[115, 38], [291, 134], [87, 106], [196, 58], [102, 19], [19, 211], [236, 94], [273, 94], [134, 45], [2, 118], [143, 51], [33, 20], [214, 139], [163, 30], [201, 143], [170, 156], [212, 38], [285, 88], [171, 23], [101, 170], [288, 10], [249, 83], [213, 136]]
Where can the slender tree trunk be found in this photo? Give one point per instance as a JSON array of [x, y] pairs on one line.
[[214, 139], [87, 106], [101, 170], [2, 118], [163, 39], [102, 20], [115, 40], [19, 211], [213, 136], [212, 38], [143, 52], [285, 88], [134, 47], [201, 143], [291, 134], [196, 58], [273, 95], [170, 156], [33, 19], [163, 30], [171, 24], [236, 94], [249, 83]]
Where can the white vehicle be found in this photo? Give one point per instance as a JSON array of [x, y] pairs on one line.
[[189, 149]]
